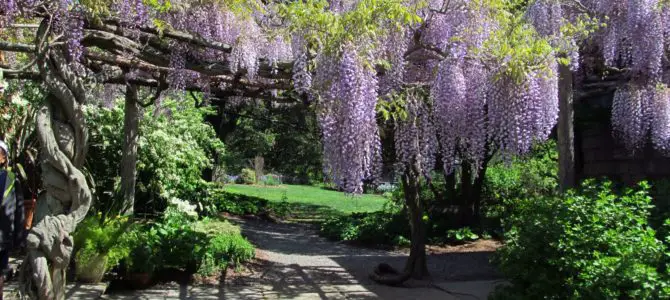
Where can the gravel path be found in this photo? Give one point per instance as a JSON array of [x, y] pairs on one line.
[[293, 262]]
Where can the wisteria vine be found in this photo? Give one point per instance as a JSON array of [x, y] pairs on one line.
[[347, 118], [480, 99]]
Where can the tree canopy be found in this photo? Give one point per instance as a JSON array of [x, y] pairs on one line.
[[490, 65]]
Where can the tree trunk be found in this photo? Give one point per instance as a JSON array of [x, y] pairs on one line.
[[566, 147], [466, 210], [472, 184], [129, 158], [450, 186], [416, 265], [61, 129], [477, 189]]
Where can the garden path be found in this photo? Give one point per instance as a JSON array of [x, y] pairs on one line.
[[293, 262]]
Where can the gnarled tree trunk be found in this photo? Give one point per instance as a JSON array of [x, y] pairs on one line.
[[62, 134], [416, 263]]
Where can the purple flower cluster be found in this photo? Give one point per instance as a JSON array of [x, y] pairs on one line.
[[393, 49], [460, 97], [547, 16], [131, 13], [352, 148], [180, 77], [522, 113], [8, 10], [639, 112], [69, 21], [635, 38], [302, 78], [479, 109]]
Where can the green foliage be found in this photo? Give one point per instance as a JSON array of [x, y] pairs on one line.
[[19, 104], [174, 149], [104, 156], [250, 138], [660, 192], [282, 208], [386, 227], [239, 204], [271, 179], [461, 235], [377, 228], [179, 241], [247, 176], [222, 250], [326, 30], [286, 136], [95, 238], [523, 177], [143, 245], [395, 107], [591, 244]]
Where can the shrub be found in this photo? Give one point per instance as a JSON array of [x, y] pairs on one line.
[[592, 244], [237, 204], [179, 241], [387, 227], [222, 250], [533, 175], [174, 149], [247, 176], [178, 244], [271, 179], [144, 251], [100, 245], [462, 235]]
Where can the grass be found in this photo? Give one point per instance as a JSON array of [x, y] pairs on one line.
[[309, 203]]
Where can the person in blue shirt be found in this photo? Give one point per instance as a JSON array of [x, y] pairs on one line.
[[11, 214]]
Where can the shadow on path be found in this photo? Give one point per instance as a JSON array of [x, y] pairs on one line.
[[295, 263]]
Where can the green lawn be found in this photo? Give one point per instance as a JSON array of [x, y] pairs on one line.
[[315, 199]]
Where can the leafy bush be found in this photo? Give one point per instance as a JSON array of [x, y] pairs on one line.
[[179, 241], [97, 240], [271, 179], [660, 192], [533, 175], [387, 227], [144, 247], [174, 149], [237, 204], [222, 250], [461, 235], [592, 244], [247, 176]]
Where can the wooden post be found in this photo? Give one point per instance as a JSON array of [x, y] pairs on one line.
[[566, 134]]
